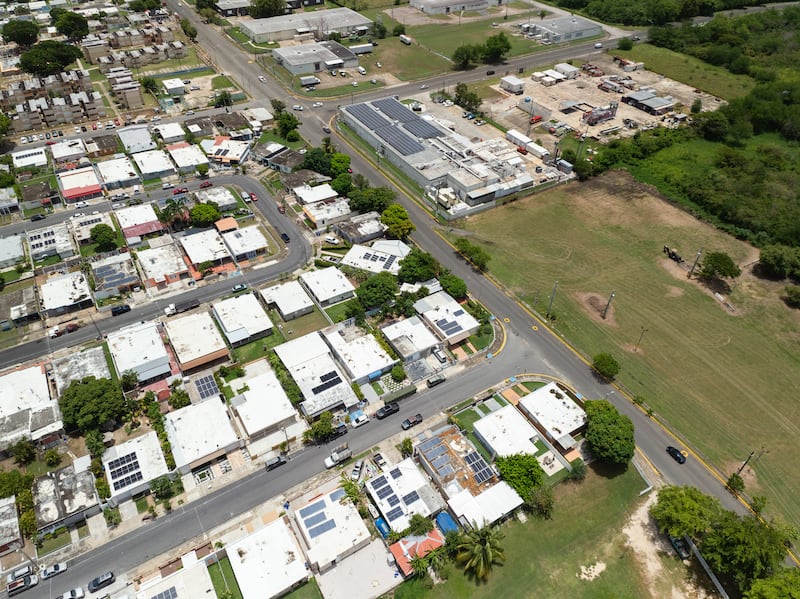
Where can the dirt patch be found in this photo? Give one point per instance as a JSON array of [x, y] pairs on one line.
[[594, 305], [592, 572], [748, 475], [674, 291]]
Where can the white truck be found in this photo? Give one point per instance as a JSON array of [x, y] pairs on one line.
[[179, 307], [338, 455]]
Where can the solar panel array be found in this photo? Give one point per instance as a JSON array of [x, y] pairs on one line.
[[388, 264], [402, 140], [395, 110], [124, 471], [312, 509], [322, 528], [436, 453], [316, 520], [384, 492], [207, 386], [411, 498], [395, 473], [394, 514], [423, 129], [399, 140], [170, 593], [379, 482], [127, 481], [329, 379], [368, 117], [392, 500], [479, 467], [126, 459], [449, 327], [108, 276], [337, 494]]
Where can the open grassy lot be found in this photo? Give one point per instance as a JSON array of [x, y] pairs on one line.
[[406, 62], [473, 32], [691, 71], [723, 379], [544, 558]]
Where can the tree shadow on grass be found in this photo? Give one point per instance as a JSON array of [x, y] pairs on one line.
[[607, 470]]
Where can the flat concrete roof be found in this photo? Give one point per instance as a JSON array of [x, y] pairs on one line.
[[136, 215], [67, 149], [194, 336], [78, 365], [199, 430], [153, 162], [205, 246], [187, 155], [309, 195], [337, 18], [241, 317], [269, 562], [371, 260], [558, 416], [139, 348], [79, 182], [487, 507], [357, 350], [263, 405], [62, 493], [190, 581], [327, 283], [64, 290], [140, 461], [11, 249], [410, 336], [170, 130], [245, 240], [445, 314], [136, 138], [117, 170], [288, 297], [158, 262], [506, 432], [9, 522]]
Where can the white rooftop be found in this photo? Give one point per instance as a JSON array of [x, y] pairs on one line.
[[158, 262], [79, 180], [445, 314], [267, 563], [68, 148], [357, 350], [330, 526], [263, 405], [117, 170], [327, 283], [192, 580], [322, 213], [309, 195], [186, 155], [558, 416], [395, 247], [153, 162], [24, 389], [246, 240], [507, 432], [205, 246], [139, 348], [169, 130], [406, 482], [308, 360], [220, 195], [136, 215], [410, 336], [194, 336], [199, 430], [9, 521], [11, 249], [29, 157], [288, 297], [372, 260], [487, 508], [64, 290], [241, 317], [139, 460], [136, 138]]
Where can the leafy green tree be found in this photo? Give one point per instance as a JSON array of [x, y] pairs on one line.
[[104, 236], [377, 290], [94, 443], [179, 398], [342, 183], [418, 265], [479, 551], [48, 58], [204, 215], [24, 33], [370, 199], [52, 457], [318, 161], [202, 170], [609, 433], [496, 47], [14, 482], [379, 30], [465, 55], [278, 106], [24, 452], [398, 30], [735, 483], [453, 285], [625, 43], [522, 472], [419, 525], [541, 501], [467, 99], [606, 365], [697, 106], [161, 487], [340, 163], [261, 9], [223, 99], [27, 523], [744, 548], [419, 565], [713, 125], [129, 380], [398, 224], [682, 511], [149, 84], [22, 10], [398, 373], [72, 25], [287, 122], [201, 4], [327, 145], [92, 404], [474, 253], [209, 15], [783, 584], [112, 516], [719, 264], [188, 29], [321, 429], [791, 295], [779, 261]]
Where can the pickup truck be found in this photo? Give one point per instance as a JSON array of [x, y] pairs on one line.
[[173, 309], [57, 330], [412, 421], [338, 455]]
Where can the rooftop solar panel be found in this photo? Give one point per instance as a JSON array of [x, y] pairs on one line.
[[399, 140], [395, 110], [379, 482], [423, 129], [368, 116], [206, 386], [126, 459], [322, 528], [396, 473], [429, 444], [328, 376], [393, 500], [315, 519], [440, 462], [313, 508], [394, 514], [384, 492], [389, 262], [410, 498], [170, 593], [435, 452], [337, 494], [447, 470], [458, 312]]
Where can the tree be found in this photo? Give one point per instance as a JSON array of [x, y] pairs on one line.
[[418, 266], [465, 55], [791, 295], [287, 122], [179, 398], [377, 290], [682, 511], [474, 253], [204, 215], [129, 380], [398, 30], [278, 106], [784, 584], [496, 47], [744, 548], [779, 261], [223, 99], [71, 24], [342, 183], [735, 483], [398, 223], [94, 443], [322, 428], [202, 170], [149, 84], [340, 163], [261, 9], [453, 285], [52, 457], [468, 100], [609, 433], [719, 264], [27, 523], [327, 146], [419, 525], [370, 199], [697, 106], [419, 565], [541, 501], [398, 373], [24, 452], [161, 487], [24, 33], [625, 43], [48, 58], [521, 471], [209, 15], [188, 29], [104, 236], [712, 125], [319, 162], [92, 404], [605, 365], [479, 550]]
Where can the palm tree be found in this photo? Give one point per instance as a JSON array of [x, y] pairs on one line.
[[174, 210], [419, 565], [479, 550]]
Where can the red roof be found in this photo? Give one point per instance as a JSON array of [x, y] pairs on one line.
[[143, 229], [80, 192], [408, 547]]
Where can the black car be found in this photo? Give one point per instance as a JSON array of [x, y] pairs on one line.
[[117, 310], [101, 581], [275, 462], [285, 238], [387, 410], [676, 454], [413, 421], [490, 72], [36, 217], [338, 431]]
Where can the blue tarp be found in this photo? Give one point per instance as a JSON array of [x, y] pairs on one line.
[[382, 527], [446, 523]]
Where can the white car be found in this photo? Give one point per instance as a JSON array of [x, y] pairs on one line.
[[360, 420], [354, 84], [73, 594], [81, 204], [379, 65], [316, 105], [262, 79], [356, 473], [54, 570], [78, 215], [23, 140], [297, 107]]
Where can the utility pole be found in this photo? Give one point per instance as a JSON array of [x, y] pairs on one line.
[[552, 297], [742, 467], [608, 305], [636, 349], [696, 260]]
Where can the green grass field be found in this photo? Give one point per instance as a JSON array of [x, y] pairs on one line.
[[724, 380], [691, 71], [223, 579], [544, 558], [310, 590]]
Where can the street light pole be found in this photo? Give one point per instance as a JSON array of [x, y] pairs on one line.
[[552, 297], [696, 260], [641, 336], [608, 304]]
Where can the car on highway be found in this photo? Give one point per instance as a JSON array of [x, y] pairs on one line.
[[101, 581], [179, 190], [676, 454], [262, 79], [424, 86], [239, 287], [316, 105], [205, 184], [73, 594], [36, 217], [297, 107], [285, 238], [54, 570], [387, 410], [413, 421], [490, 72]]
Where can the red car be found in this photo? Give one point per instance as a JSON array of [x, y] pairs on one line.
[[94, 126], [116, 122], [179, 190], [254, 197], [205, 184]]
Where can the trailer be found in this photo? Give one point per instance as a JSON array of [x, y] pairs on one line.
[[517, 138], [309, 80], [179, 307], [404, 39], [537, 150], [361, 48], [512, 84]]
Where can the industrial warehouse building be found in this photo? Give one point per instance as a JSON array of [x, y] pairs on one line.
[[320, 23]]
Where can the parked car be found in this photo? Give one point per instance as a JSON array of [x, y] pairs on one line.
[[262, 79], [117, 310], [101, 581], [360, 420], [116, 122], [379, 65], [81, 204], [205, 184], [239, 287], [387, 410], [316, 105], [380, 462], [413, 421], [285, 238], [36, 217], [60, 133], [676, 454], [179, 190], [55, 569], [297, 107], [77, 129], [47, 135], [73, 594], [94, 126], [275, 462], [357, 468], [79, 215]]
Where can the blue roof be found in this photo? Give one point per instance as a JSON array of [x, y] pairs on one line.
[[382, 527], [446, 523]]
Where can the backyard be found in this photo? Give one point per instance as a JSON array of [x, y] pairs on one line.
[[707, 370]]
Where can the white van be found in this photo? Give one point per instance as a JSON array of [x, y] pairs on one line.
[[137, 190], [331, 239], [362, 70], [19, 573], [598, 45], [167, 186]]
